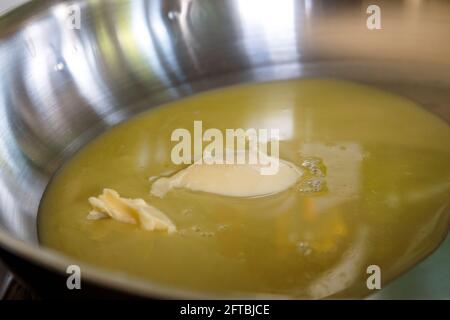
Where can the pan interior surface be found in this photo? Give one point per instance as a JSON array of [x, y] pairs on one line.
[[61, 87], [375, 188]]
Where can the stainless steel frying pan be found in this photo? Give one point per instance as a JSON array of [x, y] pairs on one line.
[[63, 81]]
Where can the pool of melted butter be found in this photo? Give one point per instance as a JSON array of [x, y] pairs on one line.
[[385, 202]]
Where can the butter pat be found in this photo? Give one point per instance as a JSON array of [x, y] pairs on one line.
[[135, 211], [235, 180]]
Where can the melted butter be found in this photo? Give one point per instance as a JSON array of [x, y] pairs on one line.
[[234, 180], [384, 159], [135, 211]]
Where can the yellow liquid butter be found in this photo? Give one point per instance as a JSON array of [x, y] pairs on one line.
[[385, 202]]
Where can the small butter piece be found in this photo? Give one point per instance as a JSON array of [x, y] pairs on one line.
[[134, 211], [235, 180]]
